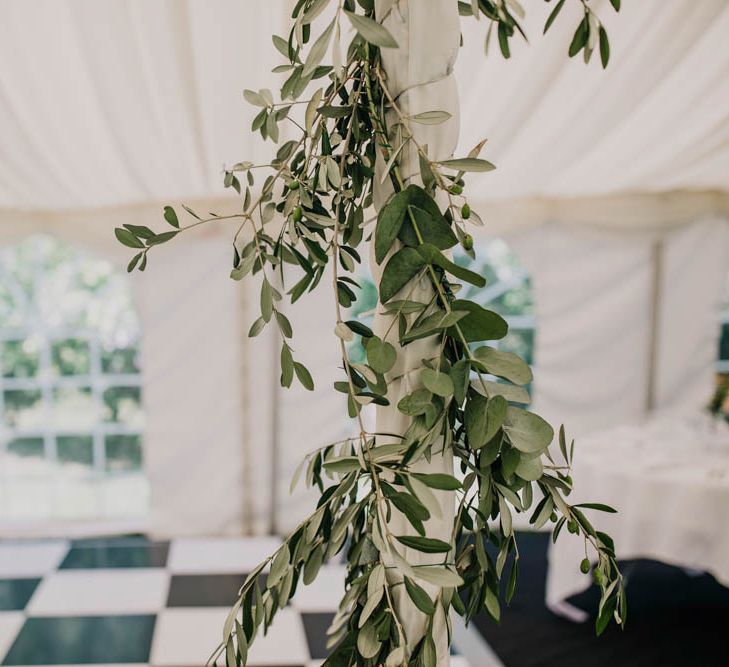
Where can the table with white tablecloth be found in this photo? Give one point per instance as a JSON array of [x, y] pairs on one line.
[[669, 481]]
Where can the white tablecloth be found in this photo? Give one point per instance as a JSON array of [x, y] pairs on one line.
[[669, 481]]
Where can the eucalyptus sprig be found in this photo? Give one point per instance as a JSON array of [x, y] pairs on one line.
[[309, 216]]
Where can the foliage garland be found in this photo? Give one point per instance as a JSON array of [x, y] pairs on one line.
[[321, 186]]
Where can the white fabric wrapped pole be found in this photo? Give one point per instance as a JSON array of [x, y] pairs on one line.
[[419, 77]]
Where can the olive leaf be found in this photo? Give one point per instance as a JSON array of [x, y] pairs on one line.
[[425, 544], [419, 597], [318, 50], [374, 32], [389, 221], [468, 164]]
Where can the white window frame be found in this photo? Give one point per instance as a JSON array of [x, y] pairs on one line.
[[45, 381]]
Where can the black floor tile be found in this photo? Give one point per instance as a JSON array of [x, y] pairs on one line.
[[15, 593], [315, 628], [204, 590], [82, 640], [674, 620], [116, 554]]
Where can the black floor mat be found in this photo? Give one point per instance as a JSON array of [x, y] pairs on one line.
[[674, 619]]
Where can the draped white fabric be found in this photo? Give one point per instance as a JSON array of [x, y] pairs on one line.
[[617, 334], [109, 109], [669, 481], [420, 77], [105, 104]]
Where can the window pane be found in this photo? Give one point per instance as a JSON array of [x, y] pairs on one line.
[[120, 361], [123, 405], [74, 408], [521, 342], [76, 449], [23, 408], [724, 342], [123, 453], [19, 359], [68, 328], [26, 447], [71, 357], [362, 310], [516, 301]]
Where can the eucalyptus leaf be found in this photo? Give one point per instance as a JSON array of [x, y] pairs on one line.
[[530, 468], [401, 268], [480, 324], [504, 364], [381, 355], [426, 225], [437, 382], [526, 431], [437, 480]]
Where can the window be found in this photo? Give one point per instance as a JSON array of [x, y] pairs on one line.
[[723, 361], [508, 292], [719, 404], [71, 415]]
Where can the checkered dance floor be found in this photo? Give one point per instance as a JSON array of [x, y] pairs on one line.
[[129, 601]]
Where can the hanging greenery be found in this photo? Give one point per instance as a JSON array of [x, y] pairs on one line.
[[307, 220]]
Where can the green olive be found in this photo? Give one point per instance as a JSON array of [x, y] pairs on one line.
[[585, 566], [296, 214], [456, 189], [467, 242], [294, 185], [466, 212]]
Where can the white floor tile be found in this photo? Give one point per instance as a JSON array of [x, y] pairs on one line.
[[219, 555], [324, 593], [188, 637], [100, 592], [10, 624], [285, 643], [30, 559]]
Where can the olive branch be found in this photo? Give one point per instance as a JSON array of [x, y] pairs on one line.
[[307, 217]]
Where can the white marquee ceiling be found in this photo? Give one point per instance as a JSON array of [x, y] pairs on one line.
[[119, 102]]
